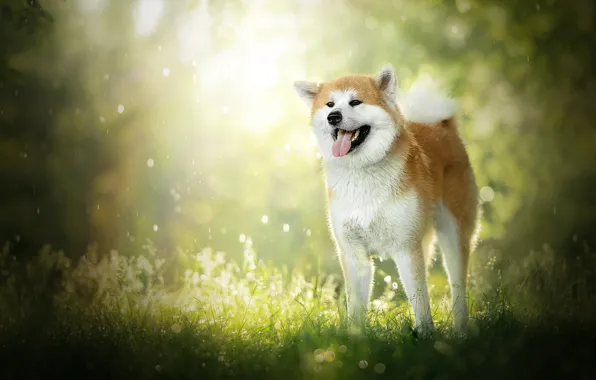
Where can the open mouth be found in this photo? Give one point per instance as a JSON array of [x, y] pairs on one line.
[[347, 141]]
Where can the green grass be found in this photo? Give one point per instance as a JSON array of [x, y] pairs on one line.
[[206, 317]]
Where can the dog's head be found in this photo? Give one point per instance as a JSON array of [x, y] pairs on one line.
[[354, 117]]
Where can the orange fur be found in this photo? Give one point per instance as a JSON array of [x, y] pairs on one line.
[[438, 167], [363, 84]]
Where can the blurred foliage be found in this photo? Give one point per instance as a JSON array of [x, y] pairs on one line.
[[209, 291], [177, 121], [117, 316]]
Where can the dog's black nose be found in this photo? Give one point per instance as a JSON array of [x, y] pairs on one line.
[[334, 118]]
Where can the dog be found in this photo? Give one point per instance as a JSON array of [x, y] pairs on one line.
[[398, 177]]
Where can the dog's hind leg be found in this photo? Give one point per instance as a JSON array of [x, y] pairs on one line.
[[455, 241]]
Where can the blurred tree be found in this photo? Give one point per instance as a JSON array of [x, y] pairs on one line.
[[26, 110]]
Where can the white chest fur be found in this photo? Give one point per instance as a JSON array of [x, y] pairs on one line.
[[356, 199], [366, 207]]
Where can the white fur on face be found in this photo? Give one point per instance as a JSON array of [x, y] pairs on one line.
[[378, 142]]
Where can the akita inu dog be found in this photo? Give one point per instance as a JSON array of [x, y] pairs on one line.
[[397, 174]]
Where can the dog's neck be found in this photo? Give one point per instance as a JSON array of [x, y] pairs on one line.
[[385, 175]]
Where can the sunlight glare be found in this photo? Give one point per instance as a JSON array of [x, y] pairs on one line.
[[247, 67], [147, 15], [92, 5], [194, 33], [260, 116]]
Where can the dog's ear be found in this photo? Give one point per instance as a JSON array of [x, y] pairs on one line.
[[386, 81], [307, 91]]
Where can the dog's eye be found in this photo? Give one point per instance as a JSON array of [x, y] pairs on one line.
[[355, 102], [330, 104]]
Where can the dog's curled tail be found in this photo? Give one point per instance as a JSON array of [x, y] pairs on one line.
[[424, 102]]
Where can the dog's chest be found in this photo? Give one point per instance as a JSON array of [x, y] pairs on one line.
[[368, 211], [356, 201]]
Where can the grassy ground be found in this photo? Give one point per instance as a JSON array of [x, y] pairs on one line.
[[118, 318]]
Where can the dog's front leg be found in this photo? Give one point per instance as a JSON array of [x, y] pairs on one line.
[[358, 271], [412, 272]]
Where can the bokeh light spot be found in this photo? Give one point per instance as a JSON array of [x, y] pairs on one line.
[[487, 194], [379, 368]]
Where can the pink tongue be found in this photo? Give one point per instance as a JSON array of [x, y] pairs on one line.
[[342, 145]]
